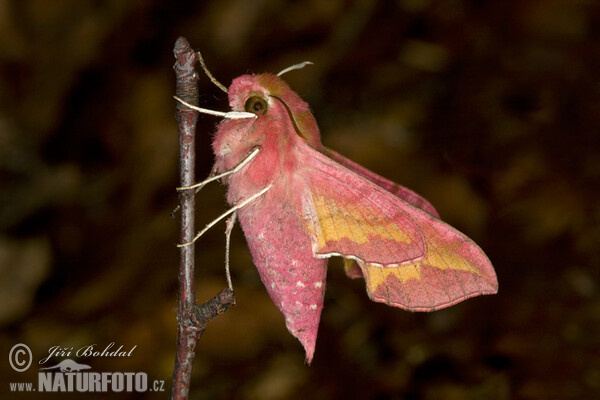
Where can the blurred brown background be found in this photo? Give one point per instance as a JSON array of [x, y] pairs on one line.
[[490, 109]]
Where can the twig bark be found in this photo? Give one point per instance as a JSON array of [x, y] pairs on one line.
[[191, 319]]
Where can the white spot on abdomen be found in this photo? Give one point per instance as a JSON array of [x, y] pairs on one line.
[[318, 284]]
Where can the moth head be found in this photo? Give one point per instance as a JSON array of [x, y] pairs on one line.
[[249, 93], [262, 94]]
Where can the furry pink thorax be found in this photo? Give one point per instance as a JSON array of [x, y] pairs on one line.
[[274, 132]]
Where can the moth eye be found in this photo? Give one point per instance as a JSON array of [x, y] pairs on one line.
[[256, 105]]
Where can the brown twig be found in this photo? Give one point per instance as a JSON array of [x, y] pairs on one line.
[[191, 319]]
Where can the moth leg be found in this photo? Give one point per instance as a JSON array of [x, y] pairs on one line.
[[226, 213], [213, 177], [199, 186], [228, 228]]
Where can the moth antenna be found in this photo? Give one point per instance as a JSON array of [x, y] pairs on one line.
[[230, 114], [200, 185], [210, 76], [226, 213], [228, 228], [293, 67]]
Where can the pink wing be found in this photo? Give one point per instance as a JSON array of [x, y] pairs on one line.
[[400, 191], [409, 258]]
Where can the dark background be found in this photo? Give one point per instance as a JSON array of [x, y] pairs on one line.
[[490, 109]]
